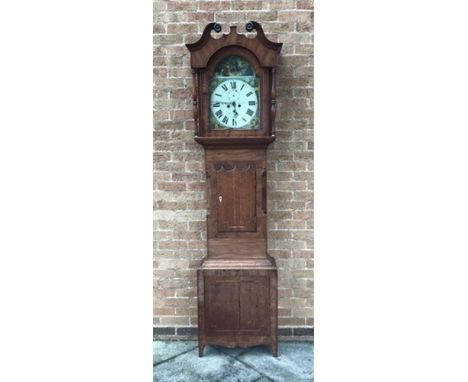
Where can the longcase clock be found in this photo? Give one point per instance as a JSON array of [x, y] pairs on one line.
[[234, 98]]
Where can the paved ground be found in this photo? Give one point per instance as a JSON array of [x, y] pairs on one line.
[[178, 361]]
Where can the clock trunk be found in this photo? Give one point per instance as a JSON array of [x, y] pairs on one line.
[[236, 222]]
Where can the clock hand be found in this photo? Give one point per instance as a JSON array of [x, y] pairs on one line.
[[234, 111]]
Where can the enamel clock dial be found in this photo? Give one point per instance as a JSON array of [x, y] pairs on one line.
[[234, 95], [234, 104]]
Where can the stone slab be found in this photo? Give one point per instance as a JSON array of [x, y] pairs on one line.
[[163, 350], [294, 363], [214, 366]]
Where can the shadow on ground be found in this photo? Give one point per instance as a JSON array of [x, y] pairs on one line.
[[178, 361]]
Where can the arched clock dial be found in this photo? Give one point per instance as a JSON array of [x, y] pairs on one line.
[[234, 104]]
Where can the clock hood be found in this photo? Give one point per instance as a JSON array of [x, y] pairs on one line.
[[266, 51]]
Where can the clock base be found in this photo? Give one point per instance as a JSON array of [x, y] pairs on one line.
[[237, 305]]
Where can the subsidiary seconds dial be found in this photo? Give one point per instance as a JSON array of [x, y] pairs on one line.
[[234, 103]]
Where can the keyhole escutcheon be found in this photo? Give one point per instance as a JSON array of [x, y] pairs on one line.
[[220, 198]]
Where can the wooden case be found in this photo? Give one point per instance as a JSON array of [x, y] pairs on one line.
[[237, 281]]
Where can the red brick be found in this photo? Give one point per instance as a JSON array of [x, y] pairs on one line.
[[180, 5], [246, 5], [159, 28], [172, 186], [164, 311], [172, 244], [279, 4], [213, 5]]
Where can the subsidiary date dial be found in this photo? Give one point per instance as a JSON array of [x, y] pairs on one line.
[[234, 103]]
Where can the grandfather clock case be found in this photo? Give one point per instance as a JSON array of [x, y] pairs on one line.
[[234, 99]]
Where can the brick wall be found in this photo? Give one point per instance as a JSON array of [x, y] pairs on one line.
[[179, 180]]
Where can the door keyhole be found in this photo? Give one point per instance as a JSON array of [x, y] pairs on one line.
[[220, 198]]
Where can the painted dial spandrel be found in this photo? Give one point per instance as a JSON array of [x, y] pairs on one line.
[[234, 95]]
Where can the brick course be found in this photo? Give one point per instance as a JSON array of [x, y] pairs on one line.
[[179, 178]]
